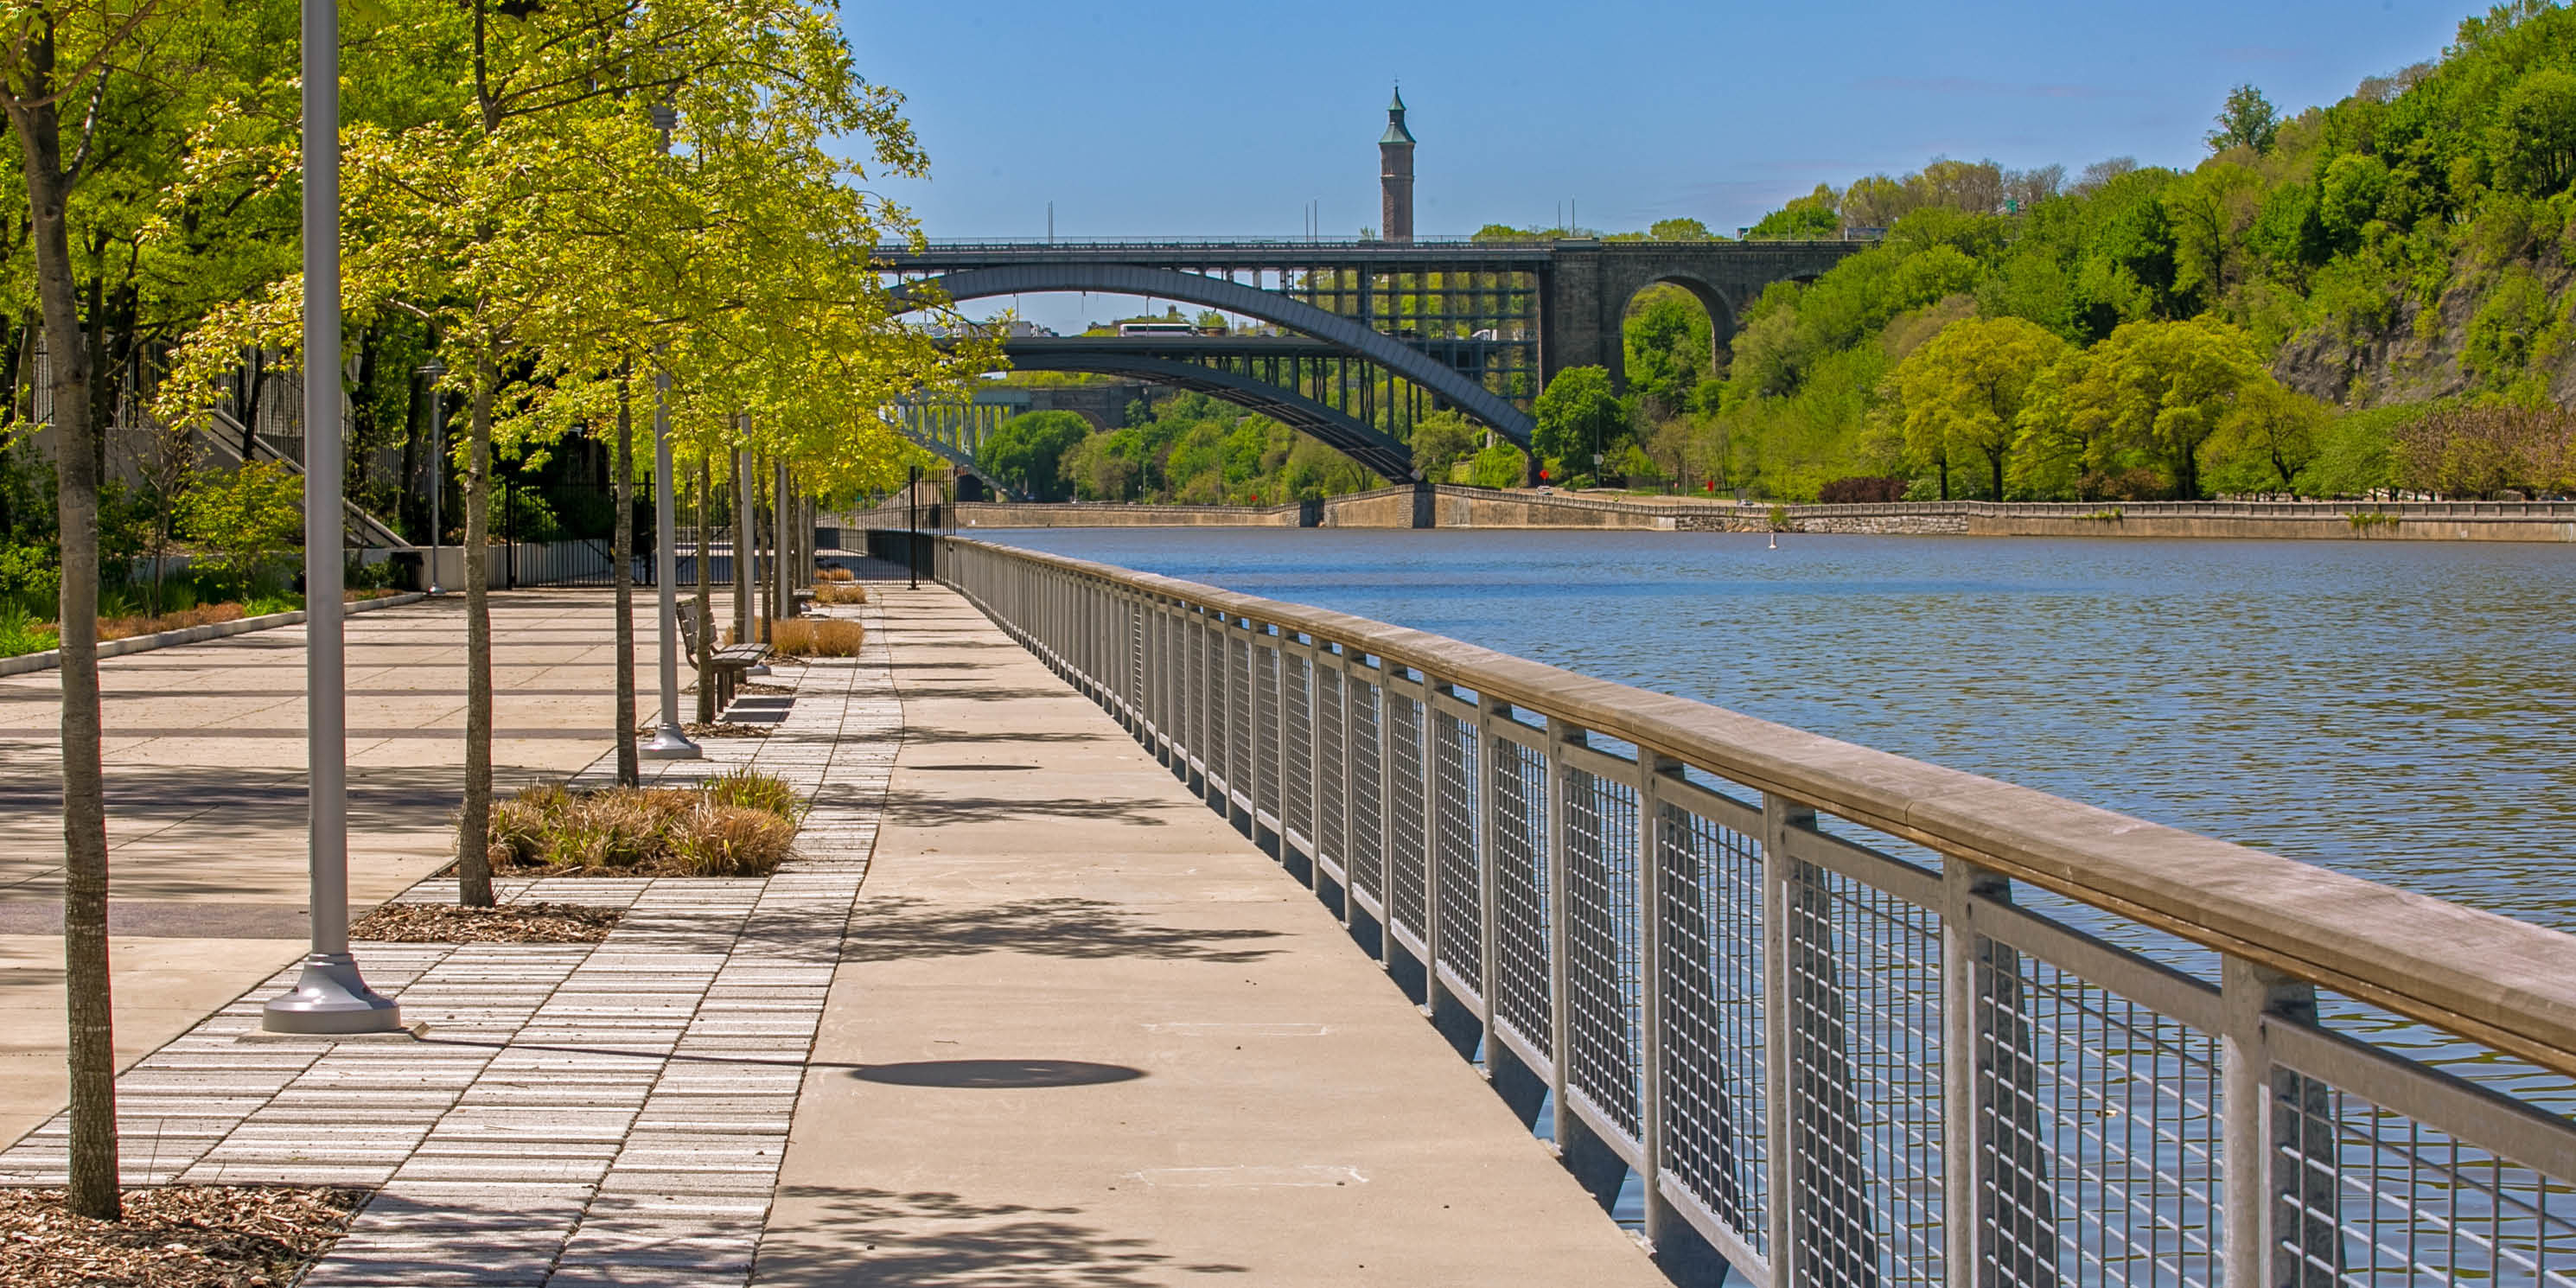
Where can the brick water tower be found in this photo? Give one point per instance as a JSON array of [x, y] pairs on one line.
[[1395, 175]]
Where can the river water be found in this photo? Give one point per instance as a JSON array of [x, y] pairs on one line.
[[2404, 711]]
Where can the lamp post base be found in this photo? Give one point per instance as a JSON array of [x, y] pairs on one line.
[[330, 999], [670, 744]]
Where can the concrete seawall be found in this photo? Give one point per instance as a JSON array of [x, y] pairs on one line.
[[1460, 507]]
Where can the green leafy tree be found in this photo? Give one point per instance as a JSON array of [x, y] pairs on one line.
[[1680, 229], [1577, 416], [2153, 391], [1804, 218], [2268, 439], [2534, 138], [1440, 440], [1026, 452], [249, 519], [2248, 120], [1964, 391]]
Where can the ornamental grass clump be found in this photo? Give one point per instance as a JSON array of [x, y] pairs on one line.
[[817, 637], [741, 823], [835, 574], [840, 592]]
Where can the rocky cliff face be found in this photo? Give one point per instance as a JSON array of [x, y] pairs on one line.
[[2419, 359]]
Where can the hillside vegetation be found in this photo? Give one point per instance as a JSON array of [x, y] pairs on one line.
[[2285, 317]]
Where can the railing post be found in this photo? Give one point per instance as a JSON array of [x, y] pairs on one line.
[[1511, 1079], [1999, 1211], [1685, 1255], [2280, 1198], [1817, 1186]]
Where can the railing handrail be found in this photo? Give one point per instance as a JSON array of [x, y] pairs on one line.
[[2507, 983]]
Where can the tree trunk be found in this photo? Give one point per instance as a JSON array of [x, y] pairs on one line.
[[91, 1050], [474, 827], [746, 528], [1997, 460], [706, 613], [630, 772], [252, 389]]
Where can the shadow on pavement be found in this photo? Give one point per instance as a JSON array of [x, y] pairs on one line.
[[898, 927], [938, 1240], [977, 1075], [924, 809]]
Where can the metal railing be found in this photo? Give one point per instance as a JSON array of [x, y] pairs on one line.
[[1828, 1063]]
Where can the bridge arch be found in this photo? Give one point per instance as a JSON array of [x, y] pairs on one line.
[[1250, 301], [1712, 301], [1341, 432]]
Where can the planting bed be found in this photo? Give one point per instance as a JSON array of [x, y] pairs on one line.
[[517, 923], [181, 1236]]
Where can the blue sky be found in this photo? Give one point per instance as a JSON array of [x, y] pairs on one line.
[[1227, 118]]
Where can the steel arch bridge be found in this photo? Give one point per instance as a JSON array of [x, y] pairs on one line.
[[1378, 334]]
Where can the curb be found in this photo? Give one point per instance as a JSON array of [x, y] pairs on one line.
[[51, 658]]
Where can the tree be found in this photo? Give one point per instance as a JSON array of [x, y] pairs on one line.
[[2266, 440], [1965, 390], [68, 50], [1803, 219], [2483, 451], [2534, 138], [1679, 229], [1578, 416], [2152, 391], [2248, 120], [1026, 452], [1440, 440], [249, 519]]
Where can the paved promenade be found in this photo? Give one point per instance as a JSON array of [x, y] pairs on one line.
[[1072, 1030], [206, 802], [1086, 1034]]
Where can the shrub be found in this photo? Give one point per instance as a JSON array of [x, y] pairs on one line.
[[836, 574], [817, 637], [740, 824], [21, 633], [748, 788], [730, 841], [840, 592], [117, 628], [1862, 490]]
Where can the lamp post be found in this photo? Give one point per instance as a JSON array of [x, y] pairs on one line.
[[434, 369], [669, 742], [329, 997]]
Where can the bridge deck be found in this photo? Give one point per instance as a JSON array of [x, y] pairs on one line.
[[1247, 1093]]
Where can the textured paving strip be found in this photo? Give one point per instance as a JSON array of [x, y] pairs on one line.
[[576, 1114]]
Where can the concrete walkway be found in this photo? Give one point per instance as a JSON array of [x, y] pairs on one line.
[[206, 802], [1086, 1034], [574, 1114]]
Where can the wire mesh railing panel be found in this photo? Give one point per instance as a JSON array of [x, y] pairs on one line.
[[1603, 1007], [1265, 726], [1297, 743], [1360, 703], [2365, 1196], [1332, 748], [1461, 945], [1237, 659], [1519, 822], [1139, 695], [1408, 852], [1207, 721], [1864, 1013], [2097, 1147], [1714, 1137]]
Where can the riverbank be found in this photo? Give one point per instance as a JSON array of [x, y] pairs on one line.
[[1446, 506]]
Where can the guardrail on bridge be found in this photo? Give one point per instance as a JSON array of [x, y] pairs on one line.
[[1829, 1063]]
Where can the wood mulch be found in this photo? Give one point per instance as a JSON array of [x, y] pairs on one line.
[[720, 729], [180, 1236], [516, 923]]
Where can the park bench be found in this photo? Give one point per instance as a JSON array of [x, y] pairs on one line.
[[727, 667]]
